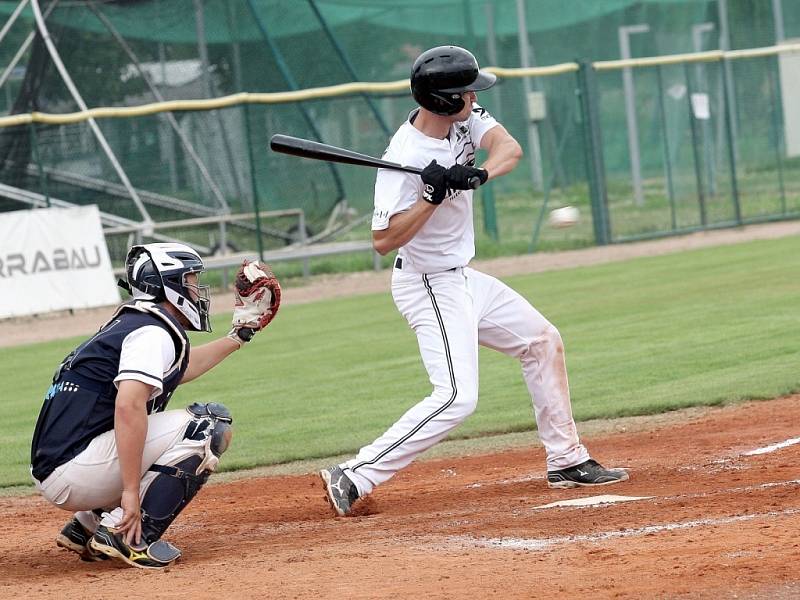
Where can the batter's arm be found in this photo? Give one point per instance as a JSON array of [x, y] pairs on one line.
[[504, 151], [402, 227]]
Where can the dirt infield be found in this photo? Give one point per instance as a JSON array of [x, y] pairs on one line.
[[712, 511]]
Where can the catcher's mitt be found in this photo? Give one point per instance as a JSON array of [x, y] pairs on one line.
[[257, 297]]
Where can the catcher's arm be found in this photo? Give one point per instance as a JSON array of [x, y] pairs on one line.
[[257, 297]]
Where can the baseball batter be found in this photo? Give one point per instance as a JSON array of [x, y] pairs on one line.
[[451, 307], [103, 446]]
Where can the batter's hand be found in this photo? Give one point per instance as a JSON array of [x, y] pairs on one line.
[[459, 177], [131, 524], [434, 183], [257, 297]]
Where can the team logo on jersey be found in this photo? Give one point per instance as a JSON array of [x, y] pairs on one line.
[[481, 112], [451, 197], [61, 386]]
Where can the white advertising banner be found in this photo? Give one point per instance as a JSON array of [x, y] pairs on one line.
[[53, 259]]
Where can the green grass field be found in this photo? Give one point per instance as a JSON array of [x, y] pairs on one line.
[[644, 336]]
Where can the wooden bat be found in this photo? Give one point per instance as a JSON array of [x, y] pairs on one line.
[[318, 151]]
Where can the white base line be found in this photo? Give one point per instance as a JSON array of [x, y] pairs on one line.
[[544, 543], [773, 447]]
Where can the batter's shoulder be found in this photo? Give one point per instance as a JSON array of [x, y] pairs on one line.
[[404, 151]]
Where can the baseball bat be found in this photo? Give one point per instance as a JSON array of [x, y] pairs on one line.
[[318, 151]]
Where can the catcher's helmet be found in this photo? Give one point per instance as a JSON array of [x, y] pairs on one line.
[[441, 75], [158, 272]]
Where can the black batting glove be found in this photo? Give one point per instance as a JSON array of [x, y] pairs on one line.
[[462, 177], [434, 183]]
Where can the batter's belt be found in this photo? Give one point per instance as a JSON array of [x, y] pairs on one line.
[[398, 264]]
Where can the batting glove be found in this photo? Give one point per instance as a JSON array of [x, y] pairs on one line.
[[434, 180], [462, 177]]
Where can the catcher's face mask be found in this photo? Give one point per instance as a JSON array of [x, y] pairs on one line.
[[170, 272]]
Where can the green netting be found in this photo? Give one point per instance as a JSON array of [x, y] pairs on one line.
[[695, 172]]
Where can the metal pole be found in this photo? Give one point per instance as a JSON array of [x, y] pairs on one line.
[[534, 145], [777, 19], [725, 45], [253, 182], [708, 151], [665, 137], [737, 209], [701, 199], [777, 114], [23, 47], [595, 166], [38, 159], [12, 18], [235, 47], [630, 109], [51, 48], [487, 191], [491, 52]]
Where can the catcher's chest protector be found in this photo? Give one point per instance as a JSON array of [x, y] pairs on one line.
[[84, 392]]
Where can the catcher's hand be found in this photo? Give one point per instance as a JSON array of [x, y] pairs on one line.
[[257, 297]]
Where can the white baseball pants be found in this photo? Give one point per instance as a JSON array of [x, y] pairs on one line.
[[93, 479], [452, 313]]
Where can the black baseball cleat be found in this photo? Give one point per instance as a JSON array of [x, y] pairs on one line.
[[75, 537], [586, 474], [158, 555], [340, 492]]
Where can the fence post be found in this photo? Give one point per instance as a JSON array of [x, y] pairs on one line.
[[40, 167], [698, 172], [777, 118], [666, 149], [595, 165], [731, 142], [489, 212], [253, 184]]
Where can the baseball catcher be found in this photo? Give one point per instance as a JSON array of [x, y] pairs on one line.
[[104, 446]]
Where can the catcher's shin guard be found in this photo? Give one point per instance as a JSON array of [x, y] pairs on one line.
[[171, 490], [207, 436]]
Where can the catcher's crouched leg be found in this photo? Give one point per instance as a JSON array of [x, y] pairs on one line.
[[182, 470]]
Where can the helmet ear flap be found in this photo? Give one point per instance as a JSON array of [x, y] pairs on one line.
[[143, 279], [440, 103]]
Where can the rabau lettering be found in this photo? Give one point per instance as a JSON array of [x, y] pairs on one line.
[[61, 259]]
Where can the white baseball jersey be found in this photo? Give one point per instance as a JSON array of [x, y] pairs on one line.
[[139, 359], [447, 239]]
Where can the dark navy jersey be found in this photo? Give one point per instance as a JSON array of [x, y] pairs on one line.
[[80, 403]]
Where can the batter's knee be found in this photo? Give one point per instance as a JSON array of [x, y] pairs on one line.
[[460, 402], [547, 343]]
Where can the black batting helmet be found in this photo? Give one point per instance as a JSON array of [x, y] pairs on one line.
[[441, 75]]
